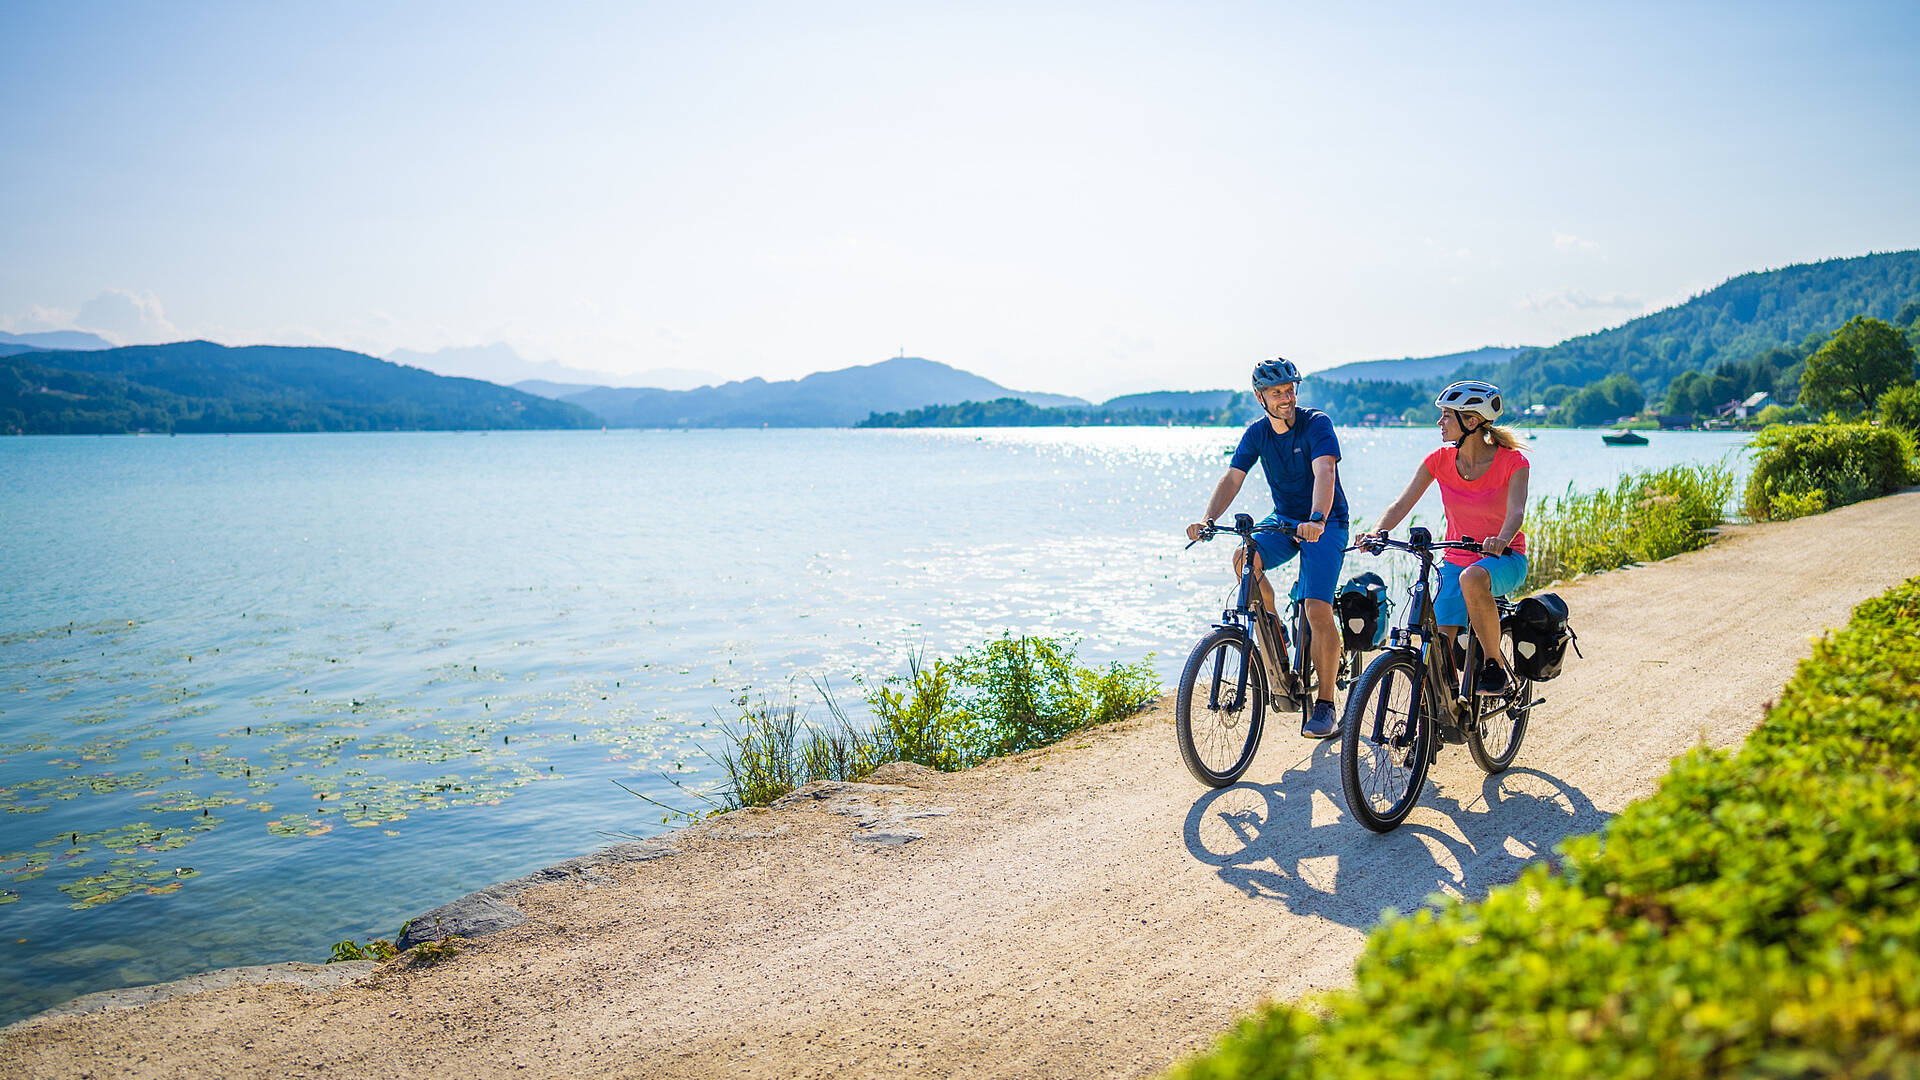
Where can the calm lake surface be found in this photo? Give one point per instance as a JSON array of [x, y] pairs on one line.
[[262, 693]]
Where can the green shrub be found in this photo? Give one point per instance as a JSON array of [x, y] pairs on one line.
[[1648, 515], [1758, 915], [1785, 505], [1002, 697], [1847, 461], [1900, 408]]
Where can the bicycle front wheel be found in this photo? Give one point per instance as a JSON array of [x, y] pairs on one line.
[[1384, 742], [1499, 723], [1220, 708]]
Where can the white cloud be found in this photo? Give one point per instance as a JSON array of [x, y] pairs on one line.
[[126, 317], [36, 319], [1579, 300], [1570, 242]]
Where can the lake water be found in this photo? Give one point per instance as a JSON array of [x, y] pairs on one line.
[[262, 693]]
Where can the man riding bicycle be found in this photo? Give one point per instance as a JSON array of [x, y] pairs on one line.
[[1483, 489], [1300, 455]]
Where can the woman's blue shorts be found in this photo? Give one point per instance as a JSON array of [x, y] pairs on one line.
[[1507, 572], [1319, 561]]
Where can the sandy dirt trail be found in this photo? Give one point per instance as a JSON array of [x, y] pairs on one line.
[[1084, 910]]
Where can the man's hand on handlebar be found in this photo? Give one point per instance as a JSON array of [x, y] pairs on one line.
[[1309, 531]]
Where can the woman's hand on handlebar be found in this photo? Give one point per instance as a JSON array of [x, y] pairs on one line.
[[1200, 530], [1370, 541]]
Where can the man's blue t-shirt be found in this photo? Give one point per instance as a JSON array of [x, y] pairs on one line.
[[1288, 462]]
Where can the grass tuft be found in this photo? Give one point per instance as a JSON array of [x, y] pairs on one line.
[[1647, 516]]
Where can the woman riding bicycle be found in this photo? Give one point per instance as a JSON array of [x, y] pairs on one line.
[[1483, 488]]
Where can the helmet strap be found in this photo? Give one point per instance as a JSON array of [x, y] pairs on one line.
[[1465, 431]]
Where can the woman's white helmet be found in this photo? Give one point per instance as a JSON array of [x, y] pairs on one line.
[[1471, 396]]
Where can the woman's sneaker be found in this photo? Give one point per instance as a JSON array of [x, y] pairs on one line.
[[1323, 724], [1492, 681]]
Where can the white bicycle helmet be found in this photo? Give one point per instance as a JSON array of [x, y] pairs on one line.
[[1472, 396]]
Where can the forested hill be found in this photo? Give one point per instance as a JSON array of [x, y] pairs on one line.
[[198, 386], [1794, 308]]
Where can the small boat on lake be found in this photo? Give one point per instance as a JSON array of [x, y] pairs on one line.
[[1624, 438]]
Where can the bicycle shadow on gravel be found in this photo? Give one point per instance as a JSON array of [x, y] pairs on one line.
[[1293, 841]]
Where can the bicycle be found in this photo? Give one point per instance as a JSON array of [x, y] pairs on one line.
[[1407, 703], [1218, 741]]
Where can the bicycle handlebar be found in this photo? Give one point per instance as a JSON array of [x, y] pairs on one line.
[[1243, 526], [1373, 545]]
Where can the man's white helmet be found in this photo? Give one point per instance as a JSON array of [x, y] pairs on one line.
[[1471, 396]]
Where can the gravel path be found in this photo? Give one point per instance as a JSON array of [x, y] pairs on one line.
[[1084, 910]]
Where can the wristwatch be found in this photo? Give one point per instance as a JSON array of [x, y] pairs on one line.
[[1317, 517]]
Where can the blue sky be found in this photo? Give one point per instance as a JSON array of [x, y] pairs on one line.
[[1086, 199]]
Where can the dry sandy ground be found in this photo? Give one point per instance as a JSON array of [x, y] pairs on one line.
[[1085, 910]]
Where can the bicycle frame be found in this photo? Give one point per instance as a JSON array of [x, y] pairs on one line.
[[1243, 618], [1285, 662], [1421, 633]]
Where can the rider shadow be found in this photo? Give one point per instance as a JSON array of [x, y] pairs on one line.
[[1294, 841]]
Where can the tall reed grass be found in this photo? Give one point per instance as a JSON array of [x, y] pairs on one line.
[[771, 749], [1647, 515]]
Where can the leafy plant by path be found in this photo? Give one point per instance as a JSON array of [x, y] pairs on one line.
[[1805, 469]]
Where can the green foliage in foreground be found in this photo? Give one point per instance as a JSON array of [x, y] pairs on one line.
[[1002, 697], [1806, 469], [1648, 515], [1758, 915]]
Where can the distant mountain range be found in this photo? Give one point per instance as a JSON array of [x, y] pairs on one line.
[[53, 339], [1413, 369], [198, 386], [824, 399], [1764, 324], [1787, 312]]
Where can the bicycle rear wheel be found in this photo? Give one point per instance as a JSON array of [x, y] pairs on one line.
[[1217, 715], [1384, 743], [1499, 723]]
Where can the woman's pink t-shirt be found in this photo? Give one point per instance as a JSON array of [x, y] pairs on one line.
[[1476, 508]]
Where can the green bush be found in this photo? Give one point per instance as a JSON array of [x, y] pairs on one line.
[[1002, 697], [1647, 516], [1847, 461], [1900, 408], [1758, 915]]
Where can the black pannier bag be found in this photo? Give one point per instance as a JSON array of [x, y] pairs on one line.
[[1540, 636], [1365, 612]]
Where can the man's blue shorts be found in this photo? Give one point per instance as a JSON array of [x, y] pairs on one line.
[[1319, 561], [1507, 572]]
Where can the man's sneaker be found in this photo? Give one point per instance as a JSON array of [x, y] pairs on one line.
[[1324, 724], [1493, 679]]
